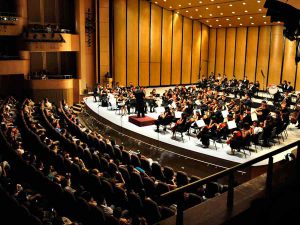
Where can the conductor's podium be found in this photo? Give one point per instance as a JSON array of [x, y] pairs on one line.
[[141, 121]]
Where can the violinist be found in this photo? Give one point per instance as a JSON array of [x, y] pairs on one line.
[[263, 111], [180, 123], [203, 135], [164, 119], [121, 104]]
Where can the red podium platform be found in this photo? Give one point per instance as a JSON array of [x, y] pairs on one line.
[[141, 121]]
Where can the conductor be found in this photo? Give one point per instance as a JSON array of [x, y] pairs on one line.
[[140, 101]]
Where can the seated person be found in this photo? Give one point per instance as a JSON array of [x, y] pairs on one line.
[[204, 136], [235, 141], [164, 118]]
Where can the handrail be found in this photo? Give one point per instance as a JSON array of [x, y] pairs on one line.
[[177, 194]]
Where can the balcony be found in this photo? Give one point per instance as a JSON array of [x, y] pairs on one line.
[[11, 25]]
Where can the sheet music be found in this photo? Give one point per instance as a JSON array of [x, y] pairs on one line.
[[225, 113], [254, 116], [200, 123], [178, 114], [231, 125]]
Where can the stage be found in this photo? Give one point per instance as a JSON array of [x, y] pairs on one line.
[[190, 146]]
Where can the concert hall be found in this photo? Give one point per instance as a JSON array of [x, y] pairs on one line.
[[147, 112]]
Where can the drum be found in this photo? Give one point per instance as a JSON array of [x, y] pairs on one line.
[[272, 89]]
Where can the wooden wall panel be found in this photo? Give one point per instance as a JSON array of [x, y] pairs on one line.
[[230, 52], [212, 50], [240, 52], [186, 51], [276, 55], [132, 41], [220, 51], [252, 40], [120, 41], [263, 55], [144, 43], [297, 86], [289, 66], [196, 52], [204, 50], [176, 48], [166, 48], [155, 54]]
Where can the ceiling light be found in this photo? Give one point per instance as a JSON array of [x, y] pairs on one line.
[[155, 2], [244, 3], [206, 8], [191, 17], [200, 15], [210, 14], [233, 12], [241, 24], [258, 1], [221, 14], [278, 22], [252, 23], [238, 18], [179, 5], [251, 17], [220, 25], [217, 20], [200, 2], [196, 10], [218, 6], [170, 7], [212, 0], [265, 22], [190, 3], [264, 16], [207, 21], [165, 0], [246, 11], [227, 19], [259, 9], [177, 12], [230, 25], [230, 5], [210, 25], [186, 10]]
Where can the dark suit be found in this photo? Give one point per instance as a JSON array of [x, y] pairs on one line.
[[140, 102]]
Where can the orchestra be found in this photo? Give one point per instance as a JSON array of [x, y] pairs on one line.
[[212, 102]]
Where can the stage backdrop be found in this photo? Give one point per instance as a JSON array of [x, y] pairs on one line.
[[250, 50], [154, 46]]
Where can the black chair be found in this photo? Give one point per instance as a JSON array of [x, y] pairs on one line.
[[182, 129]]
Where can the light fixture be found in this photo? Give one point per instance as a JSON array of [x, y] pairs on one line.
[[170, 7], [230, 5], [244, 3], [246, 11], [179, 5], [210, 14], [264, 16], [258, 1], [200, 15], [251, 17], [196, 10], [221, 14], [217, 20], [177, 12], [206, 8], [207, 21], [200, 2], [155, 2], [265, 22], [191, 17], [220, 25], [252, 23], [238, 18], [278, 22], [227, 19], [165, 0], [190, 3], [218, 6], [230, 25], [259, 10], [233, 12], [210, 25], [241, 24], [187, 11]]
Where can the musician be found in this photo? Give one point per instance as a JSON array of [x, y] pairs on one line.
[[245, 81], [287, 99], [284, 85], [140, 101], [152, 101], [263, 111], [257, 85], [289, 87], [180, 123], [121, 104], [96, 92], [164, 118], [203, 135], [252, 89]]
